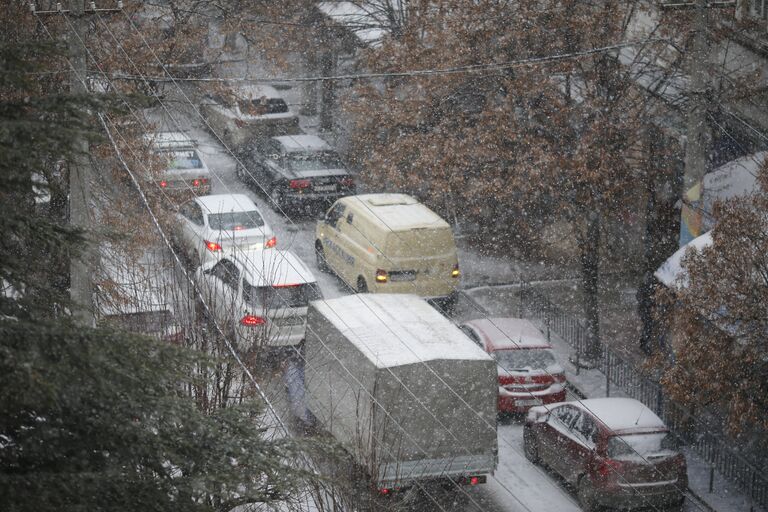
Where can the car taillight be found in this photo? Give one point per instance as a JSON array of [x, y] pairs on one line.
[[347, 182], [299, 184], [212, 246], [270, 243], [195, 183], [252, 320], [455, 272], [609, 467], [381, 276], [163, 184]]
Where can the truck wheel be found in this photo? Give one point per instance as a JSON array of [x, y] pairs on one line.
[[322, 263], [530, 446], [362, 287]]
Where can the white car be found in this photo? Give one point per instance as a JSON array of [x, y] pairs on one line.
[[249, 113], [210, 225], [185, 170], [260, 297]]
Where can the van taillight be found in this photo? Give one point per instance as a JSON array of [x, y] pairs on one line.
[[455, 272], [270, 243], [381, 276], [252, 320], [299, 184]]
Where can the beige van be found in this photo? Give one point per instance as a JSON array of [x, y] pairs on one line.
[[389, 243]]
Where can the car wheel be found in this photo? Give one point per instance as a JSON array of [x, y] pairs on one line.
[[585, 496], [276, 196], [362, 287], [322, 263], [530, 446]]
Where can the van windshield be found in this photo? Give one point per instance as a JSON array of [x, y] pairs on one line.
[[276, 297], [420, 243]]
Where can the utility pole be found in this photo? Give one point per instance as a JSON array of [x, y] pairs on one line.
[[80, 173], [80, 168], [697, 128]]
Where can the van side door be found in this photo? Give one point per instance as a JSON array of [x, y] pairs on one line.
[[334, 254]]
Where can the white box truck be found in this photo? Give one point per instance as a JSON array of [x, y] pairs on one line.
[[402, 389]]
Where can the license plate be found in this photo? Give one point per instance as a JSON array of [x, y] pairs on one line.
[[324, 188], [402, 276], [536, 401]]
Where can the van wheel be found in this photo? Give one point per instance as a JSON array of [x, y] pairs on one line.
[[322, 263], [362, 287]]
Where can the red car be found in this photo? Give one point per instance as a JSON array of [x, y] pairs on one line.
[[529, 374], [615, 451]]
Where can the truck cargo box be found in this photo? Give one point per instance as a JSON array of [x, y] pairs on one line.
[[401, 388]]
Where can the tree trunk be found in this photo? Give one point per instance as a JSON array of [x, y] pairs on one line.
[[589, 246]]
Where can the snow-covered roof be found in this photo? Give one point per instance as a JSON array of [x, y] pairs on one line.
[[226, 203], [622, 414], [170, 140], [398, 329], [671, 272], [300, 143], [256, 91], [733, 179], [272, 267], [509, 333], [398, 212], [361, 22]]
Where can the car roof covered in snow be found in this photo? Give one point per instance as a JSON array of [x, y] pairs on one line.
[[671, 273], [302, 143], [622, 415], [398, 329], [256, 91], [397, 212], [509, 333], [170, 140], [219, 203], [272, 267]]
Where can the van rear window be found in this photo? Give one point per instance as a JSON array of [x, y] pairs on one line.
[[420, 242]]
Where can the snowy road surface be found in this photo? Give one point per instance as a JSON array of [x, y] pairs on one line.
[[518, 485]]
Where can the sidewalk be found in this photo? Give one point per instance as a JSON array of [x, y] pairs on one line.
[[593, 384]]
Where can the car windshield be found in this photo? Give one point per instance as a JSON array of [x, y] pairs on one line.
[[187, 159], [235, 221], [275, 297], [524, 359], [262, 106], [641, 444], [313, 162]]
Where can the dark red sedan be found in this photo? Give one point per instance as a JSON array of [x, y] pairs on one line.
[[615, 451], [529, 374]]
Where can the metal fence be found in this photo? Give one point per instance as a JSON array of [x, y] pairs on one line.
[[694, 431]]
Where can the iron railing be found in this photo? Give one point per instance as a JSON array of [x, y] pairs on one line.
[[698, 434]]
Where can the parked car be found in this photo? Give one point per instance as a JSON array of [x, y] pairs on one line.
[[615, 451], [185, 170], [260, 297], [529, 373], [138, 294], [210, 225], [389, 243], [298, 170], [249, 113]]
